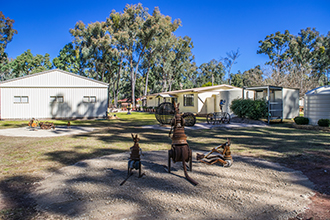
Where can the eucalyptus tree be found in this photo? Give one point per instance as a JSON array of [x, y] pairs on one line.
[[68, 59], [276, 47], [237, 79], [253, 77], [115, 25], [6, 35], [94, 42], [174, 60], [230, 60], [321, 60], [142, 30], [27, 63], [164, 29], [6, 32], [212, 71]]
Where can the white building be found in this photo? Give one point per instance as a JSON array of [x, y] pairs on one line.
[[200, 101], [53, 94]]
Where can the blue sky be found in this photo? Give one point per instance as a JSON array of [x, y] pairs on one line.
[[216, 27]]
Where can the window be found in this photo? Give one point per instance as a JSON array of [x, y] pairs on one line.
[[53, 99], [188, 100], [21, 99], [89, 99], [59, 99], [92, 99]]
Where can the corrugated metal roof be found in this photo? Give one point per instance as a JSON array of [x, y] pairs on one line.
[[47, 72], [319, 90], [197, 90]]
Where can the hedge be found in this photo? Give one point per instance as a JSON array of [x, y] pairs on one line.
[[247, 108], [324, 122], [301, 120]]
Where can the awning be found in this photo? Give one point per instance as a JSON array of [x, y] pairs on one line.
[[166, 96]]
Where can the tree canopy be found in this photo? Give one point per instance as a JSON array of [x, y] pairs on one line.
[[138, 53]]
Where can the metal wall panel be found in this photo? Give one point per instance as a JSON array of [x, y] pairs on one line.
[[39, 105], [290, 103], [317, 107]]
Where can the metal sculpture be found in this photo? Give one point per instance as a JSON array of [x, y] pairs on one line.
[[33, 124], [46, 125], [134, 159], [223, 155], [165, 113], [180, 151]]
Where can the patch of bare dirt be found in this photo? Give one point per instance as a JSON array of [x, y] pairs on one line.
[[316, 166], [250, 189]]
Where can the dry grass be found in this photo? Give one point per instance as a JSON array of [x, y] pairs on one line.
[[21, 156]]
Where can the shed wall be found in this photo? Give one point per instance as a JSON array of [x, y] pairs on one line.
[[40, 105], [229, 96], [317, 107], [290, 103]]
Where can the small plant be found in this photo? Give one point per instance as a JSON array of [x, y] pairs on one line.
[[324, 122], [301, 120]]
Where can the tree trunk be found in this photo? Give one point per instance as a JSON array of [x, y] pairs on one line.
[[118, 79], [147, 78]]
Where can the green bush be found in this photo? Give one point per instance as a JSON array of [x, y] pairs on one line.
[[301, 120], [324, 122], [247, 108]]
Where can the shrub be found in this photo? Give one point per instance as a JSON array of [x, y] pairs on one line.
[[324, 122], [301, 120], [253, 109], [258, 110]]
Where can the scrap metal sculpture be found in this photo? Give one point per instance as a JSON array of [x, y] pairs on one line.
[[180, 151], [33, 124], [46, 125], [223, 155], [134, 160]]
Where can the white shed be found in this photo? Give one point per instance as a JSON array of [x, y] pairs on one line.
[[283, 103], [317, 104], [53, 94]]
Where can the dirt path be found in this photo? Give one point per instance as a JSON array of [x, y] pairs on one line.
[[250, 189]]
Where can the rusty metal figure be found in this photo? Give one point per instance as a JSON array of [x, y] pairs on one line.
[[223, 156], [180, 151], [33, 124], [46, 125], [134, 160]]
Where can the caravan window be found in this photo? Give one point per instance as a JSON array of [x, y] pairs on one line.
[[188, 100]]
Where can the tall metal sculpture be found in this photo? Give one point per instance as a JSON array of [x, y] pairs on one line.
[[180, 151]]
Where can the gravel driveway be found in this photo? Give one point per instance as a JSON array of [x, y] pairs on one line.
[[58, 131], [250, 189]]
